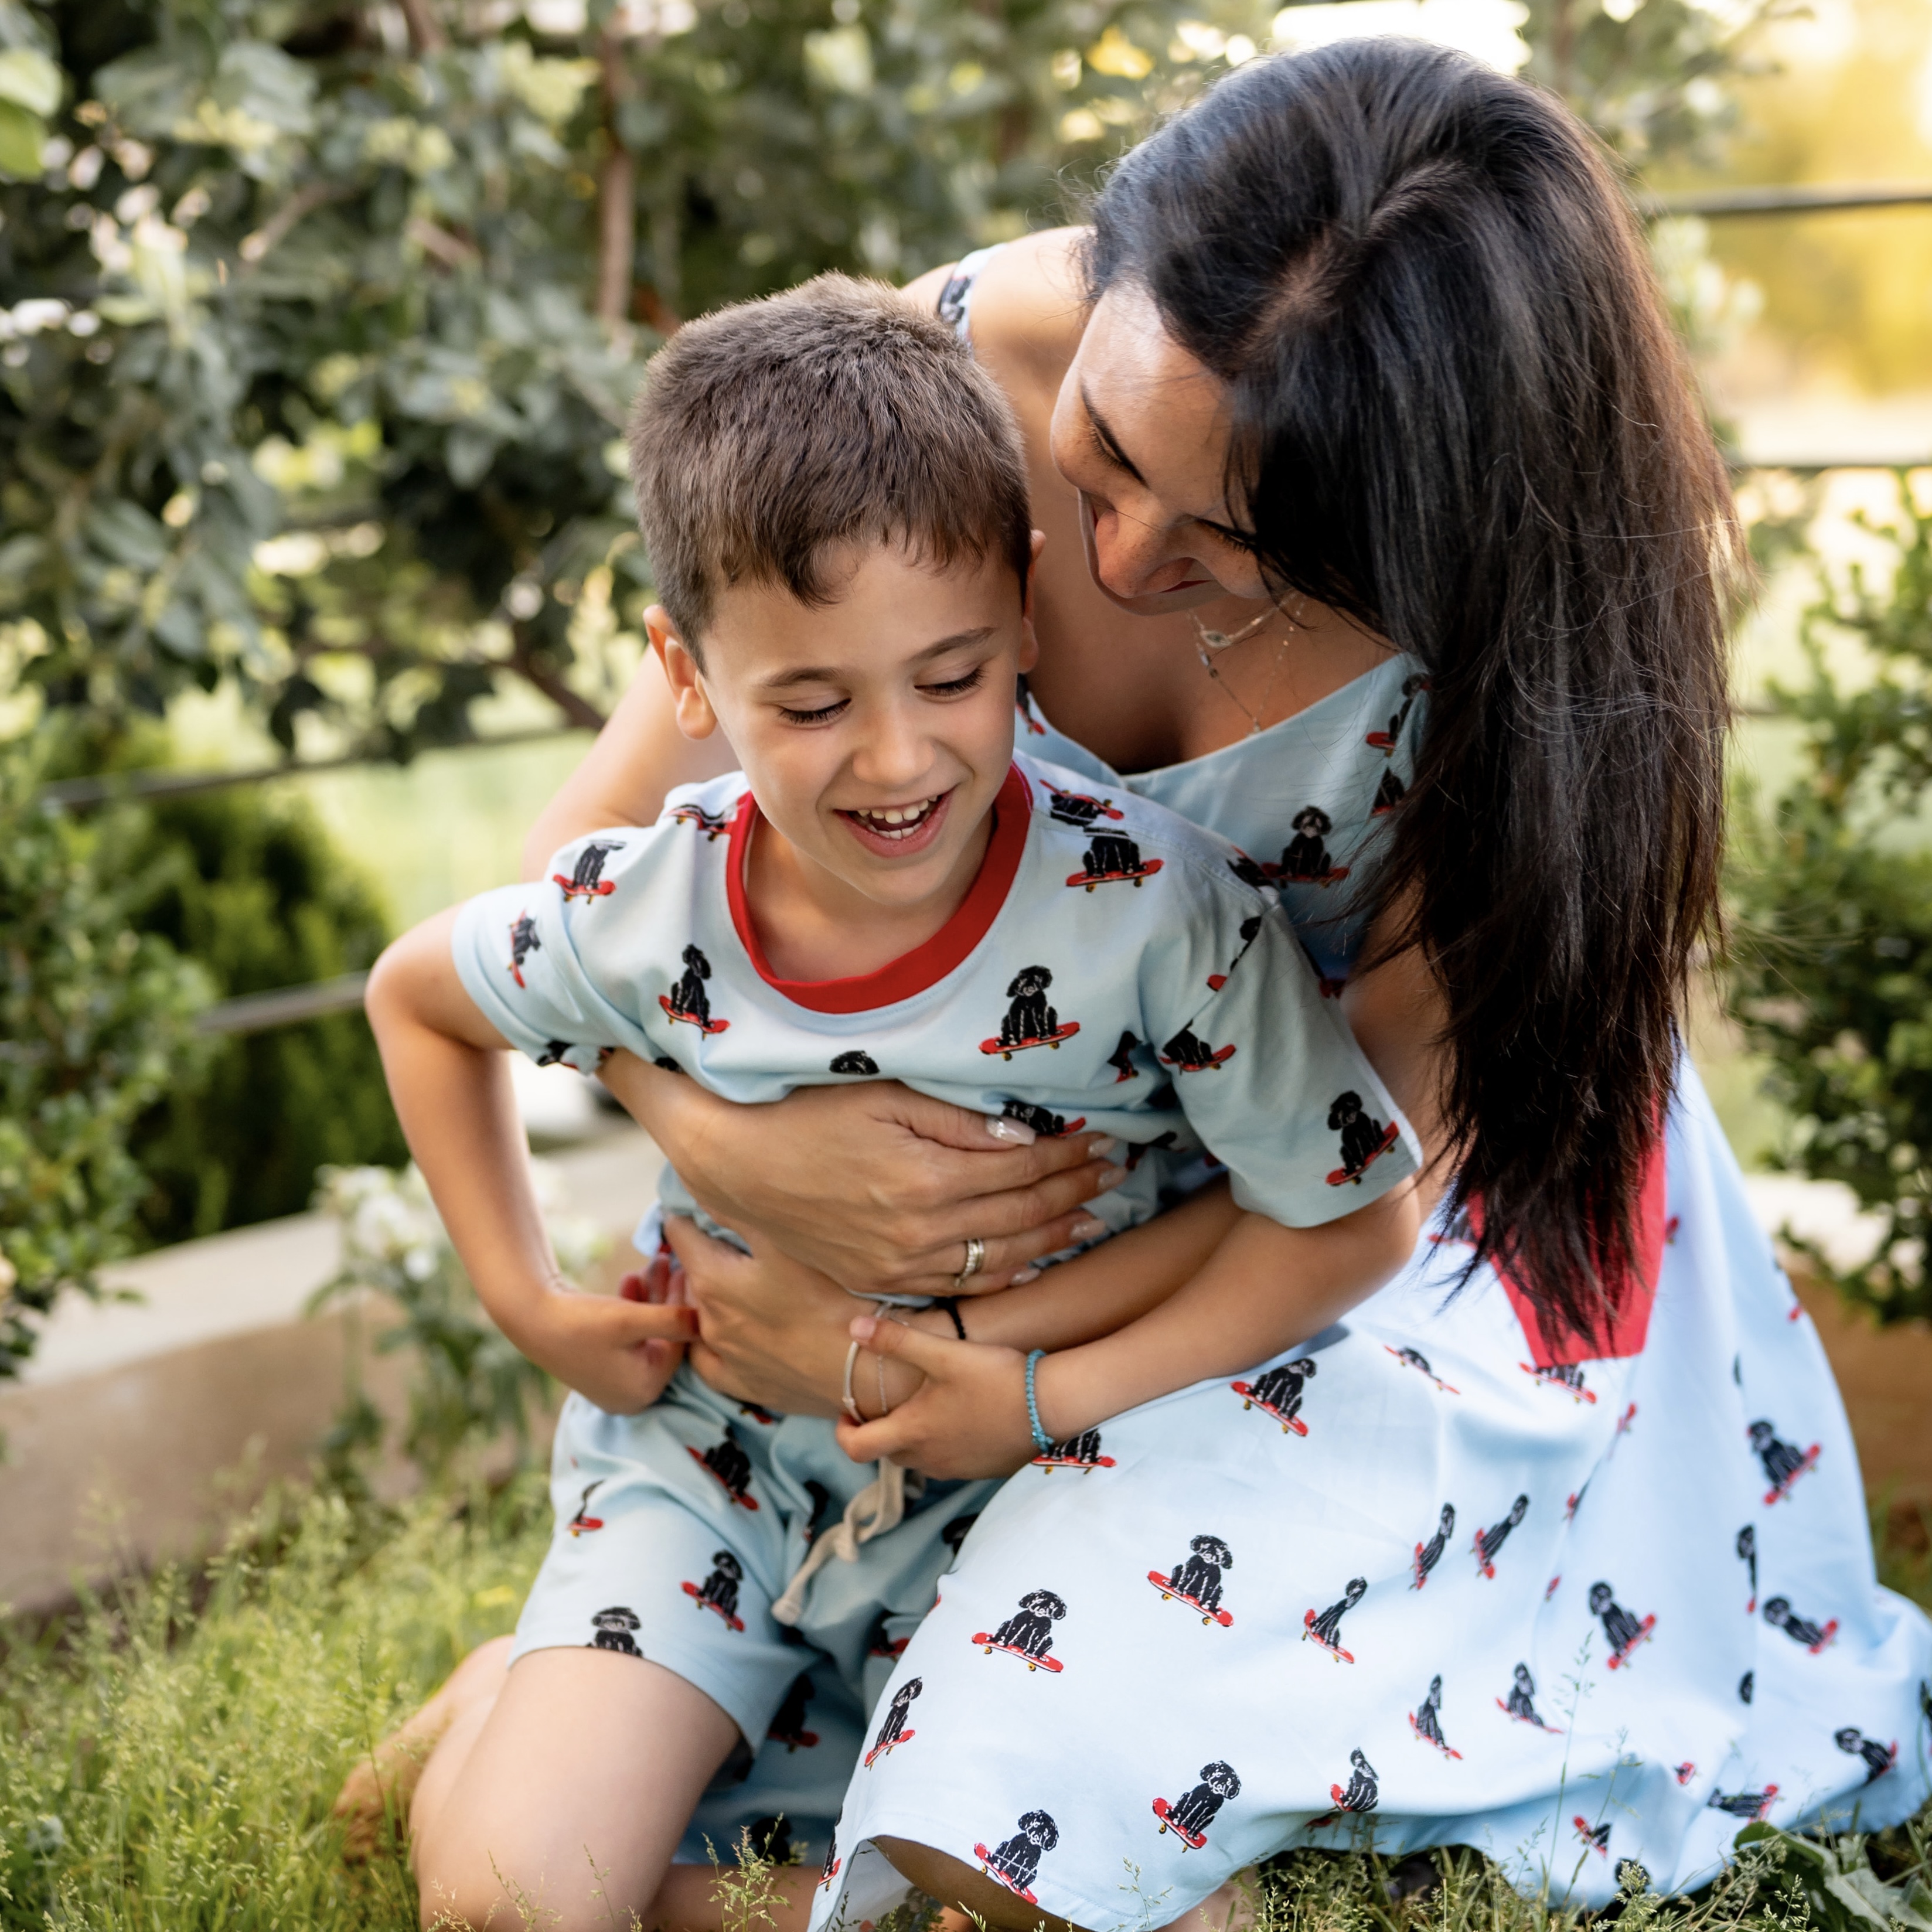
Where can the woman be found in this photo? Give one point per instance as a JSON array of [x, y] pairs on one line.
[[1373, 422]]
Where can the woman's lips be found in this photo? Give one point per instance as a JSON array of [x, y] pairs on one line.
[[917, 825]]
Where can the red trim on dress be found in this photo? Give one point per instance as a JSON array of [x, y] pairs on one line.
[[1630, 1327], [924, 965]]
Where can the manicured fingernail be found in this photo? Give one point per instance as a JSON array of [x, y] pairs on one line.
[[1025, 1276], [863, 1328], [1100, 1146], [1017, 1132], [1087, 1229], [1111, 1177]]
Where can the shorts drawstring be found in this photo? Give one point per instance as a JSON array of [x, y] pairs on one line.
[[880, 1506]]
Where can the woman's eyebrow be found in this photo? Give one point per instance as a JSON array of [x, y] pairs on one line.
[[1108, 443]]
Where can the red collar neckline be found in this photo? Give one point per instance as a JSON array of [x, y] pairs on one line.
[[924, 965]]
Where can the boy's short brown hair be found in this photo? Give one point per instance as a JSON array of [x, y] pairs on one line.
[[836, 413]]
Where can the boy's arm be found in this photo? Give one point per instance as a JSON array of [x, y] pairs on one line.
[[450, 1082]]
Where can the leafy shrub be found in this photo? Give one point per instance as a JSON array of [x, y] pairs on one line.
[[1833, 977], [251, 889], [96, 1020]]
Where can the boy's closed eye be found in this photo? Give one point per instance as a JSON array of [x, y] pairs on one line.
[[953, 687]]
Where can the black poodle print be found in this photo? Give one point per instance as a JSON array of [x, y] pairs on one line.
[[1245, 869], [1363, 1793], [1049, 1126], [1305, 860], [893, 1730], [523, 941], [829, 1870], [584, 1522], [688, 1000], [788, 1728], [614, 1627], [1426, 1720], [1878, 1758], [719, 1590], [1413, 1358], [1076, 808], [880, 1641], [1779, 1614], [1197, 1580], [1783, 1462], [1031, 1020], [1110, 856], [1562, 1375], [1249, 928], [1389, 794], [1189, 1816], [712, 824], [1027, 1634], [1623, 1631], [1015, 1864], [854, 1060], [554, 1052], [1752, 1804], [1746, 1686], [587, 881], [1428, 1555], [821, 1502], [1364, 1139], [1080, 1452], [1490, 1540], [1747, 1555], [766, 1419], [1326, 1629], [1186, 1052], [956, 1532], [727, 1460], [1521, 1702], [1597, 1837], [1278, 1393], [1121, 1060], [1385, 742]]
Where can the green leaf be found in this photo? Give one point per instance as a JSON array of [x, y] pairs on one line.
[[30, 80], [21, 138]]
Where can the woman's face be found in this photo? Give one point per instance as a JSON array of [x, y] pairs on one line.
[[1141, 430]]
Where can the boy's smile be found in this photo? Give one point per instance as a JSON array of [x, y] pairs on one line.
[[877, 730]]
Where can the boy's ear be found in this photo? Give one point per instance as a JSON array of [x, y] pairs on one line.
[[695, 717], [1029, 644]]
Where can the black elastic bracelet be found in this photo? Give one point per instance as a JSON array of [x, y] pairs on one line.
[[950, 1302]]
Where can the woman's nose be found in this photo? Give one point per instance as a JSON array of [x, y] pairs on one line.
[[1135, 559]]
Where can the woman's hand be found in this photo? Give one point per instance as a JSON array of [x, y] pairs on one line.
[[968, 1418], [875, 1185]]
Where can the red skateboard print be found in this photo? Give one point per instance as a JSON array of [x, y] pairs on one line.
[[704, 1603], [1564, 1375], [1135, 873], [1422, 1737], [986, 1643], [1251, 1400], [1219, 1057], [1224, 1618], [738, 1496], [992, 1870], [1782, 1488], [1622, 1656], [690, 1019], [881, 1751], [1052, 1040], [1163, 1811], [1341, 1176], [1334, 1650]]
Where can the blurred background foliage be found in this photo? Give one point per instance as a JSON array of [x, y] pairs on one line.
[[322, 315]]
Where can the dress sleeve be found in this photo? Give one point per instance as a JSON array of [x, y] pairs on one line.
[[1270, 1077], [541, 960]]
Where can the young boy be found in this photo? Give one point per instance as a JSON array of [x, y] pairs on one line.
[[834, 500]]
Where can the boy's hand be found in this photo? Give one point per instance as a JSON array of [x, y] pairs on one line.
[[969, 1416], [616, 1351]]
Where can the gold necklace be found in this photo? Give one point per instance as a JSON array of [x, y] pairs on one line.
[[1209, 645]]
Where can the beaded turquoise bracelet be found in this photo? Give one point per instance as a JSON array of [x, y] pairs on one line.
[[1041, 1440]]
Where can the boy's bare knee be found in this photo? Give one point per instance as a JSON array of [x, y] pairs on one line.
[[958, 1885]]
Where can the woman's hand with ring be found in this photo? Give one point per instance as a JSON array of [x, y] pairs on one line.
[[968, 1418]]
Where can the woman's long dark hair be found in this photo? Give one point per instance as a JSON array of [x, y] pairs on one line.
[[1461, 418]]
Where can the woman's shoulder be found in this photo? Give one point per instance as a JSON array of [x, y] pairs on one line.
[[1028, 303]]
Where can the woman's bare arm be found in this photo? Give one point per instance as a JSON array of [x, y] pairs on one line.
[[638, 757]]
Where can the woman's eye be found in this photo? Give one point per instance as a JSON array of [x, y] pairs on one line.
[[957, 687], [823, 715]]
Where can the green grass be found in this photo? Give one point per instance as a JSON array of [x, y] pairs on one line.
[[168, 1751]]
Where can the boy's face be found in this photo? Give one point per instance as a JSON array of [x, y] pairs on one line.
[[876, 730]]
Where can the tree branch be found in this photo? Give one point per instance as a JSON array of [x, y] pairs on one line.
[[426, 33], [523, 661]]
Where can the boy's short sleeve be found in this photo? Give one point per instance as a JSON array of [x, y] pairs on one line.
[[1270, 1077], [554, 969]]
